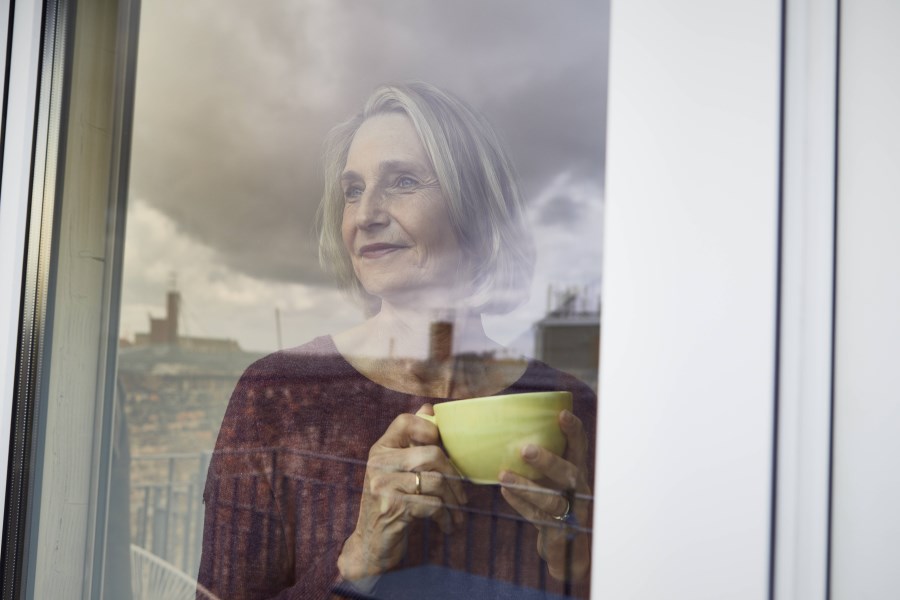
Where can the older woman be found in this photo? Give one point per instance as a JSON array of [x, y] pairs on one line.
[[324, 480]]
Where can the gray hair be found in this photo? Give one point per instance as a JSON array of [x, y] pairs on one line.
[[476, 177]]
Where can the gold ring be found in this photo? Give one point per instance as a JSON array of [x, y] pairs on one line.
[[565, 515], [418, 483]]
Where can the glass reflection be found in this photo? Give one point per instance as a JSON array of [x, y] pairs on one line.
[[224, 193], [325, 477]]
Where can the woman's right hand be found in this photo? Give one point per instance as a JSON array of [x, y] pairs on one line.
[[389, 500]]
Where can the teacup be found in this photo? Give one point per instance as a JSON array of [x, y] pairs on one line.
[[484, 436]]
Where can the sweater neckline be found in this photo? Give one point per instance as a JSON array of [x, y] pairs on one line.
[[331, 348]]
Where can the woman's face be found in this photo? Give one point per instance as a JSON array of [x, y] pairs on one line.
[[395, 226]]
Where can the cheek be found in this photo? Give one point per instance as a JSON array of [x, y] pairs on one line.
[[347, 232]]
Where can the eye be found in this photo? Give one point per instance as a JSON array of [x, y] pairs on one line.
[[406, 182], [352, 193]]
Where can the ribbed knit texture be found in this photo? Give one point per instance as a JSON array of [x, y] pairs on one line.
[[285, 480]]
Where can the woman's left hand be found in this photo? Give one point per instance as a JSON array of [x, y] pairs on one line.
[[563, 487]]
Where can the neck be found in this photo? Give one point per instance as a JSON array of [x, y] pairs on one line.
[[441, 354], [399, 332]]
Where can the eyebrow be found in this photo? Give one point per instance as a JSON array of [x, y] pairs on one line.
[[387, 166]]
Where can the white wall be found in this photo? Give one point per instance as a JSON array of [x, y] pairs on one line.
[[866, 471], [686, 396]]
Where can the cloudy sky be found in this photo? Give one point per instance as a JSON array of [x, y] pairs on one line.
[[233, 101]]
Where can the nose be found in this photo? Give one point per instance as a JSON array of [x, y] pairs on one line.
[[370, 210]]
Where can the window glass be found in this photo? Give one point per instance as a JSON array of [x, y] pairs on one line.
[[340, 216]]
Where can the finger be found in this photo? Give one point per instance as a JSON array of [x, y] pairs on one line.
[[425, 409], [523, 507], [398, 506], [430, 483], [432, 458], [395, 473], [435, 483], [422, 506], [556, 469], [537, 504], [576, 438], [406, 430]]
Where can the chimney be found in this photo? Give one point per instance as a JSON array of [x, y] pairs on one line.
[[173, 302], [441, 346]]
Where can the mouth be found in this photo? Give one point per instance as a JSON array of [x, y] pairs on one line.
[[378, 250]]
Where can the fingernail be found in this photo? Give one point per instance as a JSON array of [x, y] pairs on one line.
[[529, 452], [566, 417], [507, 477]]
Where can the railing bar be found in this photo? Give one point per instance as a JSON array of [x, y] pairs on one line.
[[167, 456], [214, 513], [188, 529], [446, 560], [202, 471], [234, 528], [168, 513], [300, 507], [493, 536], [517, 558], [279, 486], [426, 539], [470, 519], [542, 574], [332, 491], [145, 518], [255, 539], [352, 496]]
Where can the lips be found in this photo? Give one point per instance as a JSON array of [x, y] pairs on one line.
[[378, 250]]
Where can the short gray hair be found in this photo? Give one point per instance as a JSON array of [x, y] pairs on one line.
[[476, 178]]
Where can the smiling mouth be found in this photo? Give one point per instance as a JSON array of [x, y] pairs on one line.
[[378, 250]]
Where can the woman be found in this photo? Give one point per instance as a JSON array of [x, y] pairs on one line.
[[324, 480]]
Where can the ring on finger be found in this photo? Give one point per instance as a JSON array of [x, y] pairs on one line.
[[418, 483], [567, 513]]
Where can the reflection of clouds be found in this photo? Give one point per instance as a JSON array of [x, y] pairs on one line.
[[221, 302], [234, 99], [217, 300], [569, 252]]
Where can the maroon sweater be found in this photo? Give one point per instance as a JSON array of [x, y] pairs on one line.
[[285, 480]]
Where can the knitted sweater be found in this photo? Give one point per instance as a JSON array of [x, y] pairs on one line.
[[284, 484]]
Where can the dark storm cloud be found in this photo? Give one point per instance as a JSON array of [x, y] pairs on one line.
[[234, 99], [561, 210]]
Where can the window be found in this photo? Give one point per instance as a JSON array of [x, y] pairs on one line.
[[178, 247]]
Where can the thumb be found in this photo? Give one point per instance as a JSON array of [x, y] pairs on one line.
[[425, 409]]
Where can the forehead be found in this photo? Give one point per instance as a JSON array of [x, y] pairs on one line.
[[385, 138]]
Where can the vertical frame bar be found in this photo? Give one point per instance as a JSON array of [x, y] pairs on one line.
[[685, 442], [865, 492], [20, 102], [32, 351], [806, 299]]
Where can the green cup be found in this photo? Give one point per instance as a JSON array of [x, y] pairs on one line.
[[483, 436]]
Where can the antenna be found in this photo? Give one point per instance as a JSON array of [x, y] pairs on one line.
[[278, 327]]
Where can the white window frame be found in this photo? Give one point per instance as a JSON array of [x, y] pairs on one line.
[[718, 299]]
